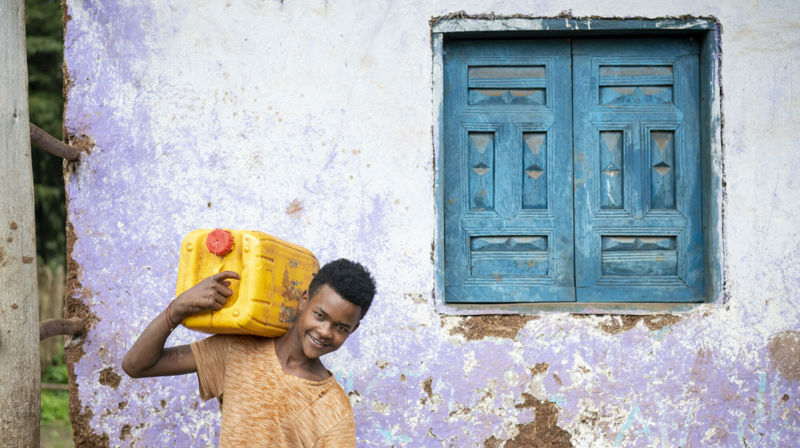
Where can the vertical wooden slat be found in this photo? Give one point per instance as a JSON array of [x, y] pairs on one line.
[[19, 316], [51, 306]]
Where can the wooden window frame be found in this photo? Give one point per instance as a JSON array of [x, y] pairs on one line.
[[707, 31]]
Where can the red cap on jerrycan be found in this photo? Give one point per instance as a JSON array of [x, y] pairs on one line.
[[219, 242]]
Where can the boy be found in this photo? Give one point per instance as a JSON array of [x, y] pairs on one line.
[[276, 392]]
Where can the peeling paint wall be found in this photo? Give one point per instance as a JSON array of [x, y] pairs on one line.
[[313, 121]]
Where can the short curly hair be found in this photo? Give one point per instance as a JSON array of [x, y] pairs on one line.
[[349, 279]]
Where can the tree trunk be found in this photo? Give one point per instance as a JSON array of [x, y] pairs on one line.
[[19, 313]]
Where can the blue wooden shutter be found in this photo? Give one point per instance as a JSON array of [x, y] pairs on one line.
[[507, 171], [638, 221]]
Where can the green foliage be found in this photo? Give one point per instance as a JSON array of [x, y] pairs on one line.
[[55, 406], [56, 372], [45, 43], [55, 403]]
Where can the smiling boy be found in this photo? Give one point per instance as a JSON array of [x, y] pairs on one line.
[[272, 392]]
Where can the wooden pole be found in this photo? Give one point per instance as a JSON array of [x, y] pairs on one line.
[[19, 311]]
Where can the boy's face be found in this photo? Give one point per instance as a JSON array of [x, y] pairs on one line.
[[325, 322]]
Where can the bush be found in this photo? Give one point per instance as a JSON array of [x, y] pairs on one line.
[[55, 406], [55, 403]]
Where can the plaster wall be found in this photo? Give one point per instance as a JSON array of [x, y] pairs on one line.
[[313, 121]]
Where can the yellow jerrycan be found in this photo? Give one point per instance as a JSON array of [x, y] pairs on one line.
[[274, 274]]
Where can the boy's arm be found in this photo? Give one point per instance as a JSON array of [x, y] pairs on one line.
[[148, 357]]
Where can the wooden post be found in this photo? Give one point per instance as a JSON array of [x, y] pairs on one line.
[[19, 313]]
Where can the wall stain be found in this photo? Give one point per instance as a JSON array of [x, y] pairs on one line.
[[415, 297], [539, 368], [475, 328], [613, 324], [295, 207], [125, 432], [110, 378], [784, 353], [542, 432], [427, 387]]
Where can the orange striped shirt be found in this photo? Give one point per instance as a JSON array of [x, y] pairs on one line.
[[264, 407]]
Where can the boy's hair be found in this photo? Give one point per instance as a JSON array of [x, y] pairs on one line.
[[349, 279]]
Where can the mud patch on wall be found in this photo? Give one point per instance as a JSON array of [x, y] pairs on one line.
[[82, 434], [110, 378], [82, 142], [542, 432], [784, 353], [474, 328], [65, 88], [75, 294], [539, 368], [427, 386], [73, 348], [613, 324]]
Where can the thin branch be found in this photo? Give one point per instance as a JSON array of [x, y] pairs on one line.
[[54, 327], [51, 144]]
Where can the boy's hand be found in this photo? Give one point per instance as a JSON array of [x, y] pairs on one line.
[[210, 294], [148, 357]]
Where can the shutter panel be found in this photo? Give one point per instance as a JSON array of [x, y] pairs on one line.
[[507, 172], [638, 228]]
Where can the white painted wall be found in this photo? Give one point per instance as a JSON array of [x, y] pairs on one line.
[[224, 114]]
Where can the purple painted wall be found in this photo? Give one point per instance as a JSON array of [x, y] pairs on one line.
[[312, 121]]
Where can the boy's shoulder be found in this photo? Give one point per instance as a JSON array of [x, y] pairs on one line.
[[240, 348], [244, 343]]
